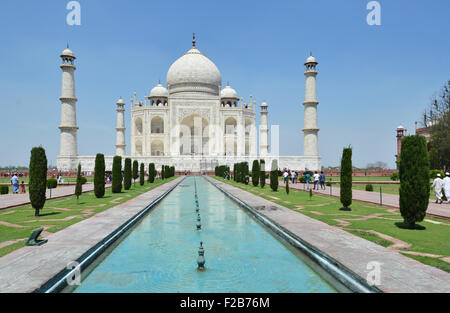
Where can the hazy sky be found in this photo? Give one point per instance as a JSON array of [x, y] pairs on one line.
[[371, 78]]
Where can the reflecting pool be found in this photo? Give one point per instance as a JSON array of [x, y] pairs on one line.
[[160, 253]]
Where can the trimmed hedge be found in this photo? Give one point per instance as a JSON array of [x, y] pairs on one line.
[[37, 184], [117, 175], [78, 186], [414, 169], [99, 176], [369, 187], [255, 173], [135, 171], [127, 174], [4, 190], [346, 177], [262, 173], [151, 172], [274, 176], [142, 175], [52, 183]]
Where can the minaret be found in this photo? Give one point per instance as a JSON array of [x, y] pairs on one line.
[[310, 129], [263, 131], [68, 126], [120, 135], [400, 134]]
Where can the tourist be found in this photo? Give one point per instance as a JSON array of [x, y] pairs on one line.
[[285, 176], [22, 187], [15, 184], [447, 186], [293, 177], [437, 185], [307, 179], [316, 180], [322, 180]]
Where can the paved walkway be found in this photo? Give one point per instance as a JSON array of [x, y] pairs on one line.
[[13, 200], [28, 268], [390, 200], [398, 273]]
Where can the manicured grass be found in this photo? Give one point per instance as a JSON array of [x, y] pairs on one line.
[[428, 237], [56, 210]]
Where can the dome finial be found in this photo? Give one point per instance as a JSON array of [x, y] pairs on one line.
[[193, 40]]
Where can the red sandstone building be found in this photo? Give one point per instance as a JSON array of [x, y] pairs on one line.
[[402, 132]]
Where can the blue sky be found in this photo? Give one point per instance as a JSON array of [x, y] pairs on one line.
[[371, 78]]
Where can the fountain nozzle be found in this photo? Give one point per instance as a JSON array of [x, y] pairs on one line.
[[201, 257]]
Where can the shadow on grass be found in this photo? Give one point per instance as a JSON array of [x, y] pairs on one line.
[[48, 214], [403, 225], [345, 209]]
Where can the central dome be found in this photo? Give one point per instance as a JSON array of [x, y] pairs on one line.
[[194, 72]]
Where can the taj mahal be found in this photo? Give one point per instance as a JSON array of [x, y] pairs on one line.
[[192, 123]]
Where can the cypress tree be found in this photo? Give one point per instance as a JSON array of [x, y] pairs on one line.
[[162, 172], [287, 186], [245, 177], [274, 176], [135, 171], [346, 177], [262, 172], [414, 169], [151, 172], [127, 174], [99, 176], [37, 178], [117, 174], [79, 185], [142, 175], [255, 173], [234, 171]]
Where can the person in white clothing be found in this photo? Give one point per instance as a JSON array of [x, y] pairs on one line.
[[437, 185], [316, 181], [447, 186]]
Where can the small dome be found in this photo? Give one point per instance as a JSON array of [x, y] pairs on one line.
[[159, 91], [67, 53], [400, 127], [193, 72], [311, 59], [264, 104], [228, 92], [120, 102]]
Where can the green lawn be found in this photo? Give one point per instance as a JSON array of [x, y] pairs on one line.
[[428, 238], [56, 210]]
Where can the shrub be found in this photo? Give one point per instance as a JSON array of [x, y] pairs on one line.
[[274, 176], [414, 179], [142, 175], [127, 174], [78, 186], [99, 176], [4, 190], [38, 178], [151, 172], [287, 186], [52, 183], [83, 180], [328, 184], [255, 173], [369, 187], [302, 179], [117, 175], [262, 173], [162, 171], [394, 176], [135, 171], [433, 174], [346, 177]]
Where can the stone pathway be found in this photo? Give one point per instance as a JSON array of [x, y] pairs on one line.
[[28, 268], [12, 200], [398, 272], [391, 200]]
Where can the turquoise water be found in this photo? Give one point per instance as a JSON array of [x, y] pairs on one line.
[[160, 253]]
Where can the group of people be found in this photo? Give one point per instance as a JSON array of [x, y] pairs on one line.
[[317, 179], [439, 184], [15, 185]]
